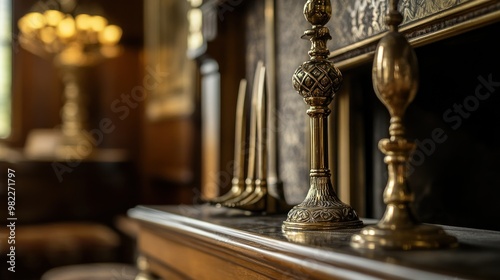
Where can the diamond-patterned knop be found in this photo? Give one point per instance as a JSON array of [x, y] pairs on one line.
[[318, 78]]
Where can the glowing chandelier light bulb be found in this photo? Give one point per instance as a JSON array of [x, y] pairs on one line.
[[98, 23], [110, 35], [83, 22], [66, 28], [35, 21], [53, 17], [54, 34]]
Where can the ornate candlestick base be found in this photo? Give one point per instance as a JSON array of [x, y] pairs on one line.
[[317, 81], [398, 228], [321, 210], [395, 81]]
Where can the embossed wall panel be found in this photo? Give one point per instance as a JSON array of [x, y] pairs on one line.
[[290, 113], [292, 117], [356, 26], [354, 21], [255, 37]]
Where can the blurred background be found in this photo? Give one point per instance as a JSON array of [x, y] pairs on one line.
[[101, 110]]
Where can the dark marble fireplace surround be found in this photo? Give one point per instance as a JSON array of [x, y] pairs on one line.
[[454, 119]]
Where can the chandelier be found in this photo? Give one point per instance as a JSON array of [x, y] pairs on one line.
[[73, 42], [77, 40]]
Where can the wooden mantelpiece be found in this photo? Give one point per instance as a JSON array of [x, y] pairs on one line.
[[203, 242]]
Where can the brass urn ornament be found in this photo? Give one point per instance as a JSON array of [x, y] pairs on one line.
[[395, 81], [317, 81]]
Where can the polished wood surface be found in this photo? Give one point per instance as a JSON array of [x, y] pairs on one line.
[[204, 242]]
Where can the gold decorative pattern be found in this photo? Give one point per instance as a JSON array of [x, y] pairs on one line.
[[315, 78]]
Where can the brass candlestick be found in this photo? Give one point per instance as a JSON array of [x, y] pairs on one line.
[[395, 81], [317, 81]]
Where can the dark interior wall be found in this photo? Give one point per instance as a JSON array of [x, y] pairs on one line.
[[229, 49], [255, 38], [170, 161], [291, 52], [172, 157], [165, 152], [454, 121], [290, 112]]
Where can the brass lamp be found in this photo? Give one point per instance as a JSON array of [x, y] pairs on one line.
[[71, 42]]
